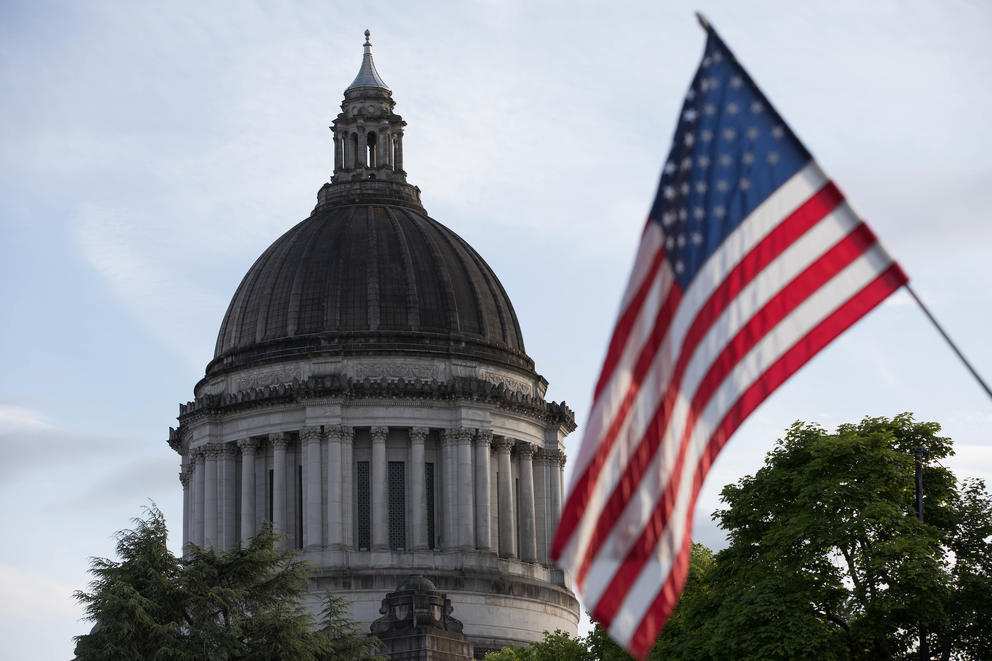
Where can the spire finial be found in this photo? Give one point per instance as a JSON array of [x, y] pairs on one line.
[[367, 35]]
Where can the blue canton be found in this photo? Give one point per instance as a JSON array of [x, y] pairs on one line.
[[731, 151]]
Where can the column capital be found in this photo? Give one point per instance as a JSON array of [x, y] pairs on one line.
[[418, 434], [449, 436], [484, 437], [212, 450], [248, 445], [379, 434], [184, 476], [340, 433], [464, 436], [526, 449], [561, 458], [228, 450], [196, 454], [310, 434], [503, 444], [279, 440]]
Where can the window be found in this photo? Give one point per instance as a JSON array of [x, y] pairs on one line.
[[364, 507], [429, 496], [397, 505]]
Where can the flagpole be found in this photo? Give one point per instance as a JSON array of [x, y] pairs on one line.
[[946, 337], [705, 24]]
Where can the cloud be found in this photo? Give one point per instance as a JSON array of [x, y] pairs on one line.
[[28, 443], [29, 593]]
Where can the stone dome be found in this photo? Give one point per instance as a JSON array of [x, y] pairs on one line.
[[369, 278]]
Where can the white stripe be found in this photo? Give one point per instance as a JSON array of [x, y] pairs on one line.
[[639, 333], [651, 242], [768, 215], [759, 223], [768, 283], [804, 318]]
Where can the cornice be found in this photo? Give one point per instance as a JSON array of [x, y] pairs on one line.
[[340, 387]]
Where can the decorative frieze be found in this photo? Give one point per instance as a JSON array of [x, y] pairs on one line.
[[340, 386]]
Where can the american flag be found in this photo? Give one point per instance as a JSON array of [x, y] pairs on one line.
[[750, 263]]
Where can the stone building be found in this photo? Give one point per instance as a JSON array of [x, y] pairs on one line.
[[370, 396]]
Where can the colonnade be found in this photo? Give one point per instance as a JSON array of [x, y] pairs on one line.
[[493, 493]]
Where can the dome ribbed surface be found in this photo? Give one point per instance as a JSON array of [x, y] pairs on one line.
[[369, 279]]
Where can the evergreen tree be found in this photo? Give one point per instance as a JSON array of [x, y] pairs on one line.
[[243, 604]]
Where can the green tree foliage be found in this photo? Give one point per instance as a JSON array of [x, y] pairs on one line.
[[244, 604], [827, 558]]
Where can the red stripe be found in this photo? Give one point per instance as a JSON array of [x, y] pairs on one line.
[[626, 321], [762, 254], [582, 492], [767, 318], [787, 365]]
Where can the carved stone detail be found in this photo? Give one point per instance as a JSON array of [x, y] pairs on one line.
[[484, 437], [268, 377], [508, 382], [525, 448], [418, 434], [379, 433], [279, 440], [399, 369], [503, 444], [341, 433], [228, 450], [248, 446], [310, 435]]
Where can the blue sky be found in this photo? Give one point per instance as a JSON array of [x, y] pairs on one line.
[[150, 152]]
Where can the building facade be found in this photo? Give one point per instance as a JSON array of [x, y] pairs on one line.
[[370, 396]]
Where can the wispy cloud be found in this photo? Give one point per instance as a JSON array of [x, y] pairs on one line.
[[28, 593]]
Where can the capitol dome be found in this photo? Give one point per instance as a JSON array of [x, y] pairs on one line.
[[369, 276], [370, 397]]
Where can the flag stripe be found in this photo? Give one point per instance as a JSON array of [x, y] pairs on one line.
[[750, 376], [799, 354], [766, 252], [777, 308], [611, 408], [750, 263], [625, 324], [655, 477]]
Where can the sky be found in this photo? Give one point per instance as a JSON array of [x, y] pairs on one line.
[[149, 152]]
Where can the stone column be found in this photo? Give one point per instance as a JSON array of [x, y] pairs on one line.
[[185, 473], [561, 482], [279, 442], [347, 486], [313, 534], [210, 537], [380, 502], [399, 151], [554, 470], [466, 489], [507, 524], [483, 532], [528, 533], [247, 446], [228, 496], [338, 152], [448, 480], [418, 495], [335, 435], [199, 489]]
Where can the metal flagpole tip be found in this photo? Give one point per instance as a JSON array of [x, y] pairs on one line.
[[702, 21]]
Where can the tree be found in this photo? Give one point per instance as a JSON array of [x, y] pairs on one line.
[[828, 560], [244, 604]]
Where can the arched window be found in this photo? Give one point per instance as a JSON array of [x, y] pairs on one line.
[[371, 142], [353, 156]]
